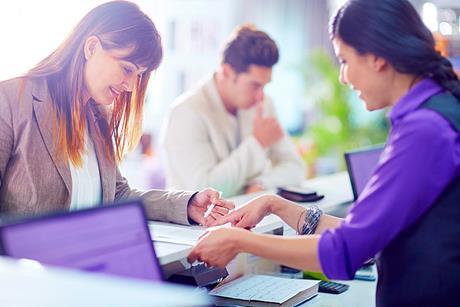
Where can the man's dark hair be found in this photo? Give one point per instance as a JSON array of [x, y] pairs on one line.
[[249, 46]]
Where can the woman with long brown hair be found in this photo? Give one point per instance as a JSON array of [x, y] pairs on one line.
[[66, 124]]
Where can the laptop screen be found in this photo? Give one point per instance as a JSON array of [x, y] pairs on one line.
[[361, 164], [111, 239]]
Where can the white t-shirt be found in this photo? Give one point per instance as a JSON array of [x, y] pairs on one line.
[[86, 180]]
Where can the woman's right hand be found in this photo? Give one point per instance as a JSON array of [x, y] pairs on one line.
[[251, 213]]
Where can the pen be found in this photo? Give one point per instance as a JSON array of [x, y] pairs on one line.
[[213, 204], [208, 211]]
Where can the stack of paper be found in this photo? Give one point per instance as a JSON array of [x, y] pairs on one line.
[[178, 234], [264, 290], [164, 232]]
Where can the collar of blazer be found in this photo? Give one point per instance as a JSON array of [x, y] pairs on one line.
[[42, 106], [219, 114]]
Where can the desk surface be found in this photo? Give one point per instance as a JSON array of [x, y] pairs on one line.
[[27, 283], [171, 252], [337, 191], [360, 294]]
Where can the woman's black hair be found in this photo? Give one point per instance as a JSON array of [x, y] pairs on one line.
[[393, 30]]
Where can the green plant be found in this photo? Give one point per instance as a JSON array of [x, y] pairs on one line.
[[334, 128]]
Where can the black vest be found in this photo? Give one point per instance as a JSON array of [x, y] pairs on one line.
[[421, 266]]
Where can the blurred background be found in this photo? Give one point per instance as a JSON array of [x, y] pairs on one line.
[[323, 117]]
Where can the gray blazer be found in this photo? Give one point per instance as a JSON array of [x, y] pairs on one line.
[[32, 177]]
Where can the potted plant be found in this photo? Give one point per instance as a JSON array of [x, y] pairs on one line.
[[335, 123]]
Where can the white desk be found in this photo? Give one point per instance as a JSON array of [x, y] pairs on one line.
[[171, 252], [337, 191], [360, 294], [26, 283], [172, 256]]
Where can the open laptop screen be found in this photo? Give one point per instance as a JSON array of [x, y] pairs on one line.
[[111, 239], [361, 164]]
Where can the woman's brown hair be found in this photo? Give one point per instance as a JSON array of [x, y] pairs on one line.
[[118, 25]]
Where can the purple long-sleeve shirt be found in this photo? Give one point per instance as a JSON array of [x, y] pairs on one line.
[[421, 157]]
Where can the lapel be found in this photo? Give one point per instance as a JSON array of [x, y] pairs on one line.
[[245, 122], [43, 107], [220, 116], [97, 126]]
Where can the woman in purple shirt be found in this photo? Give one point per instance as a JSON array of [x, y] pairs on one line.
[[408, 215]]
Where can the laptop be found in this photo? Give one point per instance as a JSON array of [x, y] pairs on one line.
[[112, 239], [361, 165]]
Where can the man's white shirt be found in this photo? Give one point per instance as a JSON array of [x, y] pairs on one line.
[[205, 146]]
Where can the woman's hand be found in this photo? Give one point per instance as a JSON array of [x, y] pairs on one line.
[[251, 213], [217, 247], [201, 201]]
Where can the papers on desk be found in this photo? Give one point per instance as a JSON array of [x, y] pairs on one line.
[[178, 234], [164, 232], [264, 290]]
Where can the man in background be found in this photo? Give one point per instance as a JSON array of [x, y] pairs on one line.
[[224, 133]]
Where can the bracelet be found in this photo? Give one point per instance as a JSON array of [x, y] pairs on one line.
[[298, 221], [311, 220]]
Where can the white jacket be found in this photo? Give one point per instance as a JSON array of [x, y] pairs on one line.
[[200, 147]]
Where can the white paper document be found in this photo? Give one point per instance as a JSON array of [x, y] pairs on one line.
[[264, 288], [164, 232], [179, 234]]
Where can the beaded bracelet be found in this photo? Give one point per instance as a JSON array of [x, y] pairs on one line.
[[311, 220]]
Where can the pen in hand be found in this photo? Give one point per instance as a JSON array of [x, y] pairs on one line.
[[211, 207], [209, 210]]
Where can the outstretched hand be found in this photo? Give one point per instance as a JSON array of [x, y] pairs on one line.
[[201, 201], [217, 247], [250, 214]]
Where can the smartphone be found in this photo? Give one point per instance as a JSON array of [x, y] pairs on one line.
[[298, 194], [298, 190]]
